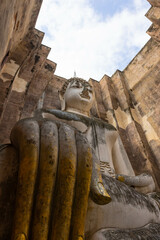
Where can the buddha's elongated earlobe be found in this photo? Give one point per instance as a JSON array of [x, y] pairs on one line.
[[61, 97]]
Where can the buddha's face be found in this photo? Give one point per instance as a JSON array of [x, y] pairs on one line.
[[78, 95]]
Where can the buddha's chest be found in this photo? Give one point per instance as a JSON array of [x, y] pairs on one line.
[[100, 138]]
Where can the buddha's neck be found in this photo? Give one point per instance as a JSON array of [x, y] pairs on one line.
[[83, 113]]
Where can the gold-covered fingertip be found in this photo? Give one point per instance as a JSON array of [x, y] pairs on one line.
[[121, 178], [21, 236], [103, 190], [99, 194]]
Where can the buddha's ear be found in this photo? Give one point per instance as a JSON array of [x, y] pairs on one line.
[[61, 97]]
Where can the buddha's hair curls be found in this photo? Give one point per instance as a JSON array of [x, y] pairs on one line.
[[65, 85]]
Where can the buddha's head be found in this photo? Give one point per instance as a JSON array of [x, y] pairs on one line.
[[77, 96]]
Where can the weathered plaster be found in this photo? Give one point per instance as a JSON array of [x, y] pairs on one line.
[[19, 85], [9, 68]]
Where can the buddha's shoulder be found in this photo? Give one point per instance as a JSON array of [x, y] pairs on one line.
[[89, 121], [103, 124]]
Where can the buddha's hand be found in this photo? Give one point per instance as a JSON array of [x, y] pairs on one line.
[[98, 192], [57, 170]]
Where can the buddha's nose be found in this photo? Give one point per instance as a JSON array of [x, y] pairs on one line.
[[85, 92]]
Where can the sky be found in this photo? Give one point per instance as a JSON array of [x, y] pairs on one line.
[[93, 37]]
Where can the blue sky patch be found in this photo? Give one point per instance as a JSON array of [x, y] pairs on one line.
[[108, 8]]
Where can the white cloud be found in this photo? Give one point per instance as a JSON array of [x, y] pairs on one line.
[[81, 41]]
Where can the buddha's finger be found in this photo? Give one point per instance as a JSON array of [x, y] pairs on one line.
[[65, 183], [46, 180], [141, 180], [98, 192], [25, 137], [82, 187]]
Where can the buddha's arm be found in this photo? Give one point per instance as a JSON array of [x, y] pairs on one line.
[[143, 183], [121, 162]]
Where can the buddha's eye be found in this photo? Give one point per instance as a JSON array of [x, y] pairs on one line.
[[76, 85], [90, 90]]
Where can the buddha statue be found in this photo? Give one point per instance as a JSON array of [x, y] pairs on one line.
[[75, 180]]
